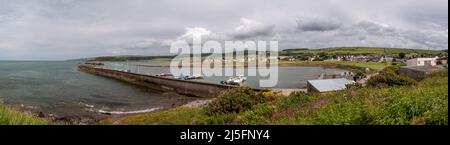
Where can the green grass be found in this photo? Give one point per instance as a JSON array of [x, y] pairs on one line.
[[178, 116], [425, 103], [352, 65], [12, 117]]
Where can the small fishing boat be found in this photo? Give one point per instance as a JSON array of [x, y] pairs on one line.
[[234, 81], [123, 70], [181, 77], [164, 75], [198, 76], [240, 78]]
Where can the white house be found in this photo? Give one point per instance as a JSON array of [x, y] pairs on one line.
[[327, 85], [386, 59], [422, 62]]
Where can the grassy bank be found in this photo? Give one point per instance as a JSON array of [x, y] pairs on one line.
[[420, 104], [9, 116], [425, 102]]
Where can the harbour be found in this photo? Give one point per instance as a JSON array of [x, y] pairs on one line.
[[58, 89]]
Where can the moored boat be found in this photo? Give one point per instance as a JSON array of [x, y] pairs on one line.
[[235, 81], [164, 75], [198, 76]]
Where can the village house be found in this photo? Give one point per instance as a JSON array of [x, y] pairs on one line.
[[418, 72], [442, 61], [327, 85], [360, 58], [346, 58], [419, 68], [422, 62], [387, 59], [287, 58]]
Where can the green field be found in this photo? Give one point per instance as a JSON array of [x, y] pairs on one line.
[[296, 52], [352, 65], [362, 51], [9, 116], [424, 103]]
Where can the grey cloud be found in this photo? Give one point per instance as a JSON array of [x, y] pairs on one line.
[[65, 29], [429, 38], [147, 44], [372, 33], [317, 24], [375, 28], [252, 29], [247, 29]]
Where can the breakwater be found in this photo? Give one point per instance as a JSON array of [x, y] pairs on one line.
[[190, 88]]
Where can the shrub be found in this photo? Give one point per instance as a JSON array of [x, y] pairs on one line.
[[236, 100], [216, 119], [354, 86], [297, 98], [343, 113], [360, 74], [388, 78], [441, 73], [402, 55], [393, 69], [9, 116], [258, 114]]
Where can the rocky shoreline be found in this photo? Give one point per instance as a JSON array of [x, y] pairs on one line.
[[99, 114]]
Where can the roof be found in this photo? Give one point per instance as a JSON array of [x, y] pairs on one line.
[[424, 58], [328, 85], [428, 69]]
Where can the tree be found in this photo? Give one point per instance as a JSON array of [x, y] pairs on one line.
[[402, 55]]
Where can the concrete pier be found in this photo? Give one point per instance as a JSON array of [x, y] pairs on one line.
[[189, 88]]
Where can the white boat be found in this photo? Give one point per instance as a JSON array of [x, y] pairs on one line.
[[164, 75], [236, 81], [181, 77], [241, 78], [123, 70], [197, 76]]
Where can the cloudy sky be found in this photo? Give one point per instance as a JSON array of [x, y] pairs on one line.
[[67, 29]]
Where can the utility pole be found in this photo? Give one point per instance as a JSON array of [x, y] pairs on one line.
[[429, 52]]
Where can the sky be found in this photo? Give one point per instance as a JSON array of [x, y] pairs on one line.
[[70, 29]]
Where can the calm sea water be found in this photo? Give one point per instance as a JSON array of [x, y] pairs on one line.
[[288, 77], [59, 88]]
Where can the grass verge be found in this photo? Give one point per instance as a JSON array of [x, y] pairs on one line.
[[423, 103], [9, 116]]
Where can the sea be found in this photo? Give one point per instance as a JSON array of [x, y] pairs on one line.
[[59, 90]]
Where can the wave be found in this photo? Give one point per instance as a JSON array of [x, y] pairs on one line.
[[129, 112]]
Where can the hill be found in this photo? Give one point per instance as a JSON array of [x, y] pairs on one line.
[[300, 51], [362, 51]]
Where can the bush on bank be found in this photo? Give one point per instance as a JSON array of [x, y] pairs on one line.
[[237, 100], [389, 79], [9, 116]]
